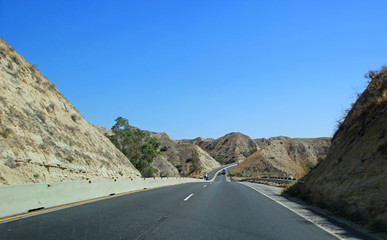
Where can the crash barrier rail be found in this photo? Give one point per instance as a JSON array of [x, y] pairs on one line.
[[270, 179], [22, 198]]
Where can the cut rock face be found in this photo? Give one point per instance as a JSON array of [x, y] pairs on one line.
[[43, 137]]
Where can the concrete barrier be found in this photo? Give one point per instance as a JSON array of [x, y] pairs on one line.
[[18, 199]]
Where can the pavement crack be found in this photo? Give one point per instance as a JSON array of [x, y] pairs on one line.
[[163, 218], [153, 228]]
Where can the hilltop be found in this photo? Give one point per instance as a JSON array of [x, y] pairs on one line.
[[43, 137], [261, 142], [233, 147]]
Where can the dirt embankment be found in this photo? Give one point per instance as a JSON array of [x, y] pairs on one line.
[[43, 137], [351, 181]]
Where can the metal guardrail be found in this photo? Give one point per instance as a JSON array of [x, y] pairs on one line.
[[274, 180]]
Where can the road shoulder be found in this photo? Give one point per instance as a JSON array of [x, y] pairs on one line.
[[318, 217]]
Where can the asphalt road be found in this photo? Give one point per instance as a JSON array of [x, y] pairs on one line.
[[212, 173], [211, 210]]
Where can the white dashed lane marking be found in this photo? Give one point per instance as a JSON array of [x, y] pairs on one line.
[[188, 197]]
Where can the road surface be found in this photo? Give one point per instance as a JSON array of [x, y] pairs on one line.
[[210, 210]]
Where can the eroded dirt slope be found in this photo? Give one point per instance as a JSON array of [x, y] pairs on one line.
[[189, 159], [352, 179], [284, 158], [43, 137]]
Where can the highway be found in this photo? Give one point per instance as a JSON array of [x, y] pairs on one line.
[[211, 210]]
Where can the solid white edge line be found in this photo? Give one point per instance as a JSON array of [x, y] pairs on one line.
[[322, 227], [188, 197]]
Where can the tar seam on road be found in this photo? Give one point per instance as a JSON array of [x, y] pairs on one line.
[[188, 197], [322, 227]]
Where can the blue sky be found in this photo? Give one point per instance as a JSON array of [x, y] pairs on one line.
[[204, 68]]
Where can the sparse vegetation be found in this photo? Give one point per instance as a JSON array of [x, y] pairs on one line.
[[291, 189], [136, 145], [33, 68], [373, 74], [10, 163], [5, 133], [308, 168], [15, 60], [74, 117], [197, 167], [41, 116], [340, 121]]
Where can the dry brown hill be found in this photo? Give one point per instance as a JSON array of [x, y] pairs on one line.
[[352, 180], [284, 158], [43, 137], [233, 147], [189, 159]]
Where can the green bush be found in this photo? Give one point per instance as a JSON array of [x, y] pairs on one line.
[[136, 145], [4, 133], [293, 189]]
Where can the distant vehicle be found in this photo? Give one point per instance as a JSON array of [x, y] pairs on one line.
[[206, 177], [201, 177], [223, 171]]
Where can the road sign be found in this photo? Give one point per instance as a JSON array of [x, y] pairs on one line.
[[247, 171]]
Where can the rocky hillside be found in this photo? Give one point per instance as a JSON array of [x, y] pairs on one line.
[[164, 167], [43, 137], [188, 159], [284, 158], [233, 147], [351, 181]]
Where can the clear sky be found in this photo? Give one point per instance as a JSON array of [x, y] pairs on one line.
[[204, 68]]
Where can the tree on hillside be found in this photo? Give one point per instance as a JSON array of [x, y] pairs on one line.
[[121, 123], [136, 145]]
